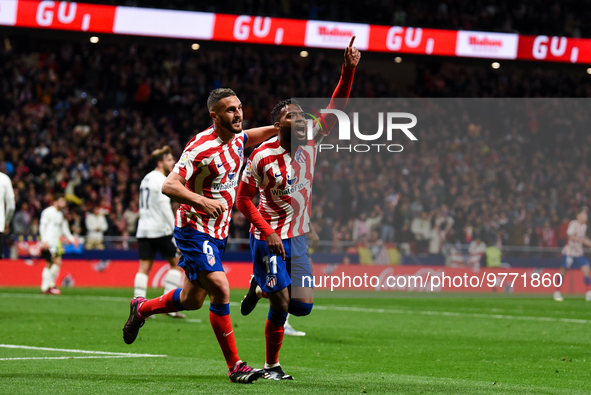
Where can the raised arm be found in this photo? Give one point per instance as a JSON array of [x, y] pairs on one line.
[[258, 135], [174, 188], [343, 89]]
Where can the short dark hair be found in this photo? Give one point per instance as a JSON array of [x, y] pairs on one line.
[[279, 106], [159, 154], [218, 94], [58, 195]]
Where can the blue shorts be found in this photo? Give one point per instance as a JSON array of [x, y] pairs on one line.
[[199, 251], [272, 273], [573, 262]]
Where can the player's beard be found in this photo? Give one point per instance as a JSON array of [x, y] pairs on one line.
[[228, 125]]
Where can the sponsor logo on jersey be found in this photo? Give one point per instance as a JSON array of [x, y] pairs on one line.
[[248, 170], [183, 160], [289, 190], [224, 186], [291, 179]]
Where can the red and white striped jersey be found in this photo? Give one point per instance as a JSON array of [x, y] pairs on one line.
[[211, 168], [575, 248], [285, 186]]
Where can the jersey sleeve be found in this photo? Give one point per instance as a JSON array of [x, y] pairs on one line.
[[252, 173], [188, 162], [164, 203], [572, 229], [43, 226], [245, 138]]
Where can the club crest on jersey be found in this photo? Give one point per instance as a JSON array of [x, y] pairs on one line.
[[211, 259], [301, 156], [271, 280], [231, 176], [240, 151]]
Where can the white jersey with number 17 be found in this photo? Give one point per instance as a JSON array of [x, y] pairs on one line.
[[156, 216]]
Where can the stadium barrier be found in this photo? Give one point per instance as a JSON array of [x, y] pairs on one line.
[[334, 277], [98, 18]]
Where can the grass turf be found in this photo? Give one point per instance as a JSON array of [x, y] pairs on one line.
[[353, 346]]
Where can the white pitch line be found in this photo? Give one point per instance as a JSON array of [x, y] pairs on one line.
[[88, 357], [122, 354], [48, 297], [337, 308], [451, 314]]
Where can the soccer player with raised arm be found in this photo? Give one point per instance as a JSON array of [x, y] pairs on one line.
[[155, 227], [204, 181], [52, 226], [279, 226], [572, 253]]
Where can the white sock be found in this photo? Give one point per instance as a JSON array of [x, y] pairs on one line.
[[286, 320], [140, 284], [274, 365], [55, 272], [45, 279], [172, 280]]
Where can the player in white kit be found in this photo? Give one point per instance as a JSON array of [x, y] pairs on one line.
[[572, 253], [156, 226], [7, 206], [52, 227]]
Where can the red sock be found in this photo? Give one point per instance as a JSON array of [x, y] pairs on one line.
[[273, 341], [222, 327], [162, 304], [264, 295]]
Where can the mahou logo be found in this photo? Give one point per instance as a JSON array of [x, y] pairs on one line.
[[487, 45], [324, 31], [473, 40]]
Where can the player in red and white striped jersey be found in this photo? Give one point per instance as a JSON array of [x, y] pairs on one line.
[[204, 181], [278, 232], [572, 253]]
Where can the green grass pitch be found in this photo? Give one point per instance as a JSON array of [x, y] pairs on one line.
[[353, 346]]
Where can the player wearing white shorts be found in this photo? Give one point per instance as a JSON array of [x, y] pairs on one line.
[[7, 206], [572, 253], [155, 227], [52, 226]]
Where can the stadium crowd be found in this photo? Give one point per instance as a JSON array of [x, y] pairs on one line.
[[82, 120]]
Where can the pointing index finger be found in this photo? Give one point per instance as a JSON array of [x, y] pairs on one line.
[[351, 43]]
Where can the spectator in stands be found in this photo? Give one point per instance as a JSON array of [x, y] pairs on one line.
[[96, 226], [476, 251], [421, 229], [131, 216], [21, 223], [361, 228]]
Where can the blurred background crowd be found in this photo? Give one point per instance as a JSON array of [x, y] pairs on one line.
[[82, 120]]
